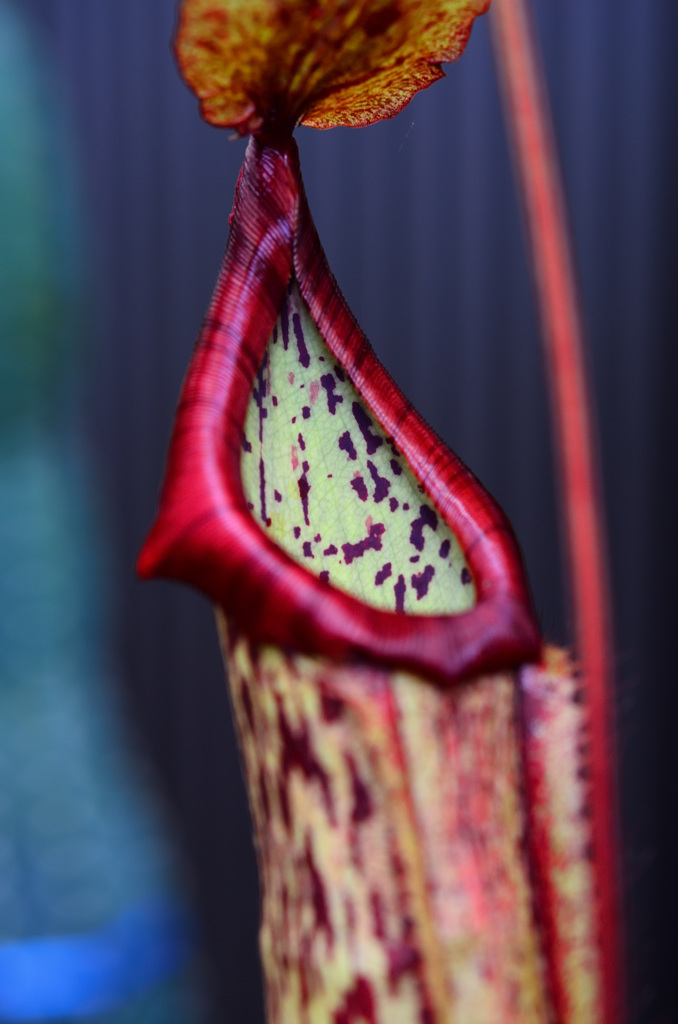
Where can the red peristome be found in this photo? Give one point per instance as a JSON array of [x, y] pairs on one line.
[[205, 535]]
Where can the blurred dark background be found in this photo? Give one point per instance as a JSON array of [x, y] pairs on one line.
[[422, 228]]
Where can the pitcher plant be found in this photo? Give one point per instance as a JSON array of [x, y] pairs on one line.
[[429, 780]]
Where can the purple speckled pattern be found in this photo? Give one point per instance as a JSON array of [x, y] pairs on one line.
[[329, 486]]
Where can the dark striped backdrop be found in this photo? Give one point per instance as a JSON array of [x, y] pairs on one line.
[[422, 228]]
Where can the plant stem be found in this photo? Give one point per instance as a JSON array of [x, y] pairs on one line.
[[529, 126]]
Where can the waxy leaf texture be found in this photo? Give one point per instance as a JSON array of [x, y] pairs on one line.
[[331, 488], [262, 66]]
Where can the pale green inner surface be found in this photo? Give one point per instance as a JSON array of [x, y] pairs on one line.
[[366, 525]]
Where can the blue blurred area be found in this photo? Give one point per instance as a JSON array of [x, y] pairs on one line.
[[422, 228], [77, 976], [93, 924]]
